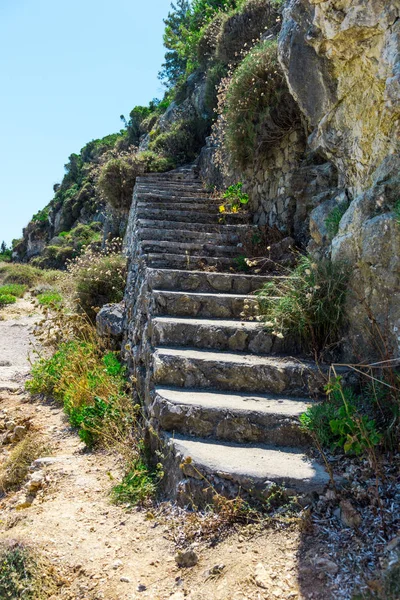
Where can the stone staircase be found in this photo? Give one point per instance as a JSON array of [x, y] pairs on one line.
[[222, 395]]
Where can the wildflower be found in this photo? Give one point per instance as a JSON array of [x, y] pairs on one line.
[[222, 208]]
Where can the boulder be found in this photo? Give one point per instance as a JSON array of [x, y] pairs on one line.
[[109, 322]]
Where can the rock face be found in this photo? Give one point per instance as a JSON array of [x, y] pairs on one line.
[[341, 60], [349, 50]]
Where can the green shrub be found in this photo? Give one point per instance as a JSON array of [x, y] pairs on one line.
[[117, 180], [42, 216], [24, 573], [258, 109], [24, 274], [7, 299], [307, 305], [50, 298], [332, 221], [91, 387], [97, 279], [242, 27], [138, 485], [118, 176], [182, 142], [341, 421], [15, 289]]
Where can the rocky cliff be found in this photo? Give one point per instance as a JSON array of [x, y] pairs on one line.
[[333, 180]]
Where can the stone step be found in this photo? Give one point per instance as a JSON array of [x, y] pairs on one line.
[[211, 228], [192, 207], [166, 178], [231, 417], [233, 469], [219, 334], [173, 189], [184, 235], [205, 281], [183, 367], [145, 211], [185, 261], [202, 304], [192, 249], [181, 198]]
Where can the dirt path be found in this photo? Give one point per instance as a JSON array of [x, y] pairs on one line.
[[104, 551]]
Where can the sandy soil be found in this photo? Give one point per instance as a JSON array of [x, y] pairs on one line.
[[105, 551]]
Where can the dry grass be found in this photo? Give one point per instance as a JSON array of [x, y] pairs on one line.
[[22, 274], [25, 573], [16, 467]]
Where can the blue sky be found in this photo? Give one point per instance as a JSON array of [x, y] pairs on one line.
[[68, 70]]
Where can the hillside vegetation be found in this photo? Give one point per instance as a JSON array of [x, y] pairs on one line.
[[204, 40]]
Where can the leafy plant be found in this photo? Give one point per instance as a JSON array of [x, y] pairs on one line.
[[26, 275], [234, 198], [16, 289], [91, 387], [139, 484], [308, 304], [341, 421], [7, 299], [41, 216], [5, 253]]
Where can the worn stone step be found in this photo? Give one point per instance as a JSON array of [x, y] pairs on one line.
[[232, 469], [211, 228], [173, 198], [191, 248], [203, 281], [184, 235], [231, 417], [203, 304], [219, 334], [193, 207], [157, 191], [145, 211], [185, 261], [183, 367], [166, 178]]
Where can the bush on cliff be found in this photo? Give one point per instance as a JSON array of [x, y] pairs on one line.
[[256, 105], [96, 278], [118, 176], [182, 142]]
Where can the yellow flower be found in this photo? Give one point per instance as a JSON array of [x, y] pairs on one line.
[[235, 209], [222, 208]]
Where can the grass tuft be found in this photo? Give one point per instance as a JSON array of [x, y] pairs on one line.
[[24, 573], [308, 304], [50, 298], [16, 467]]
